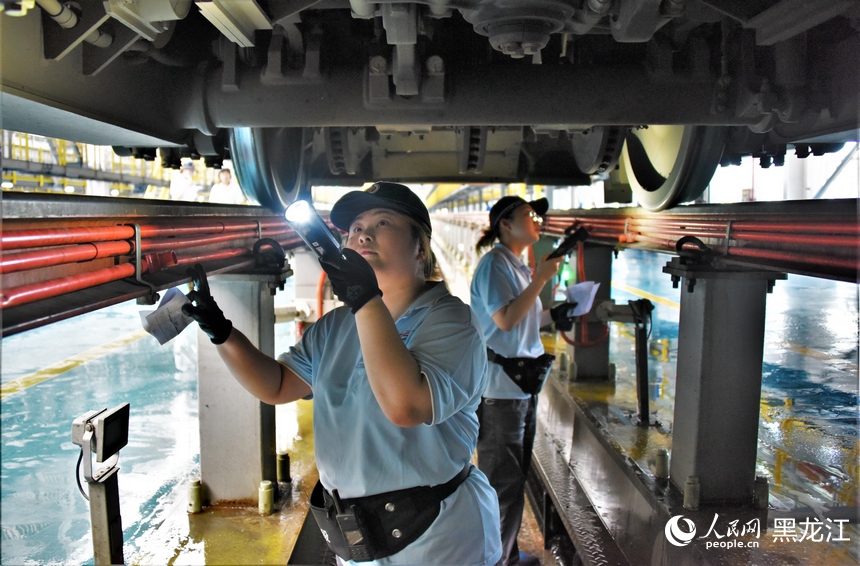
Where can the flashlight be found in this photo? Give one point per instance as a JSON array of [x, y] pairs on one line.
[[308, 224]]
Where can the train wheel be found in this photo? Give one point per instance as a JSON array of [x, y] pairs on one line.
[[668, 165], [269, 164], [598, 149]]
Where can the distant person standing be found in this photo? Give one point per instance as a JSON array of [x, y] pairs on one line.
[[506, 299], [182, 185], [225, 191]]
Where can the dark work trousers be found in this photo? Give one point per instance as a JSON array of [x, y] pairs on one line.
[[505, 441]]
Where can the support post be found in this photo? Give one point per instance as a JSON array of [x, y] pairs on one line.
[[718, 383], [592, 361], [106, 520], [237, 431]]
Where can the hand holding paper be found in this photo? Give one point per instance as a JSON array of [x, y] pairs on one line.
[[583, 295], [168, 320]]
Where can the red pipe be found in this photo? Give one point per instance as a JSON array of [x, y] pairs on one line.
[[150, 231], [825, 240], [62, 236], [222, 254], [719, 225], [181, 243], [24, 294], [841, 263], [831, 228], [22, 261]]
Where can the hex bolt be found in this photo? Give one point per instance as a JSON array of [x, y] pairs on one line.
[[378, 65], [267, 498], [661, 468], [691, 493], [195, 496], [435, 65]]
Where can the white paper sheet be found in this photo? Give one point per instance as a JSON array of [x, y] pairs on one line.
[[583, 295], [167, 321]]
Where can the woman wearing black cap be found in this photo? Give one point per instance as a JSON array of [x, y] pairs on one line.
[[396, 377], [505, 298]]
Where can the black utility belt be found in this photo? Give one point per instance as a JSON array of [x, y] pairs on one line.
[[528, 373], [373, 527]]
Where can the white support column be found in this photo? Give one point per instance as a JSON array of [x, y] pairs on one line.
[[795, 178], [237, 432]]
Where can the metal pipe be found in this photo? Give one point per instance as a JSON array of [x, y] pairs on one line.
[[796, 258], [60, 13], [183, 243], [807, 239], [23, 261], [66, 18], [18, 239], [24, 294], [150, 231], [44, 237]]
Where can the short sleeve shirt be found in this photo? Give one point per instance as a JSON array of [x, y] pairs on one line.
[[358, 450], [499, 279]]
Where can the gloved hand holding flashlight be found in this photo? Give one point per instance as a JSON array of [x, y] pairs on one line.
[[352, 279], [206, 312], [562, 316]]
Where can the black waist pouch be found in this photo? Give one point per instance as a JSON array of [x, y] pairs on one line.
[[376, 526], [528, 373]]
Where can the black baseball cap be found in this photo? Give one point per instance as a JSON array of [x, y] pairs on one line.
[[507, 205], [380, 195]]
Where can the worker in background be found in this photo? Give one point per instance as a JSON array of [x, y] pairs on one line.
[[505, 297], [225, 191], [182, 184], [396, 376]]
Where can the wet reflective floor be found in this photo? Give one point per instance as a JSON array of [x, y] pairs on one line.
[[808, 437]]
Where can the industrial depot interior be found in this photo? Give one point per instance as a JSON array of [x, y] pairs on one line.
[[703, 411]]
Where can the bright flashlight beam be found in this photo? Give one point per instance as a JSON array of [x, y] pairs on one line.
[[298, 212], [313, 231]]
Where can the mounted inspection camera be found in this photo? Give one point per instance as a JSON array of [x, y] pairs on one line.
[[104, 432], [310, 226]]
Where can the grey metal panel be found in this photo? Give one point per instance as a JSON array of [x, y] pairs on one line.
[[17, 205], [566, 96], [593, 542]]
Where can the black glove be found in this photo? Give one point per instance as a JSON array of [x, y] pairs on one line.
[[352, 279], [207, 313], [562, 316]]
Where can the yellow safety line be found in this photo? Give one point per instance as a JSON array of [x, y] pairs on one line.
[[71, 363], [649, 296]]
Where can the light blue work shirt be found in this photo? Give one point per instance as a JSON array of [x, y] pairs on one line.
[[360, 452], [499, 279]]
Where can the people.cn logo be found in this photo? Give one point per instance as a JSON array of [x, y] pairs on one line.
[[674, 533]]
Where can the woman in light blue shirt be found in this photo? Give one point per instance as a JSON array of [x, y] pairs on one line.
[[505, 298], [396, 377]]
